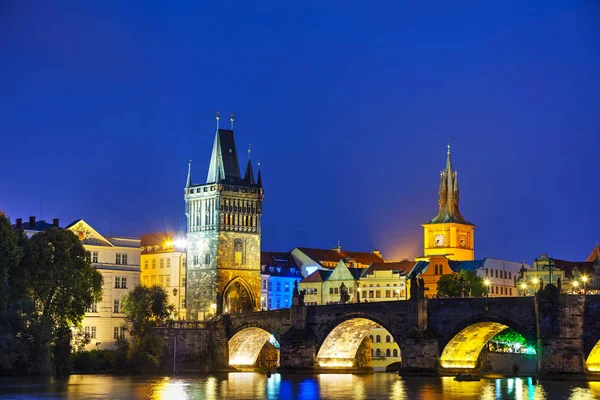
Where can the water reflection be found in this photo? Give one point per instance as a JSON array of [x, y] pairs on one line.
[[246, 385]]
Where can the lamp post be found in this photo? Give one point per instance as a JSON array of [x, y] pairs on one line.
[[584, 278], [486, 282], [524, 288], [575, 285]]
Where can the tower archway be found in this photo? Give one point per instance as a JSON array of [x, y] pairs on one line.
[[237, 297]]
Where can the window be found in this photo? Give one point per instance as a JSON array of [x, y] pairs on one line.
[[153, 264], [238, 248], [486, 272], [116, 332], [117, 282], [270, 285], [510, 291], [182, 281], [94, 256], [146, 281], [264, 285], [153, 280], [161, 280], [501, 290], [436, 270], [378, 294], [162, 262], [395, 353], [336, 291], [287, 287], [182, 303], [123, 283], [388, 293], [278, 287], [124, 259], [388, 353], [278, 303], [196, 260], [207, 258], [167, 280], [378, 339], [90, 332], [168, 263], [118, 260], [371, 294], [387, 338], [116, 308], [270, 304], [509, 275], [146, 264], [378, 353], [371, 337], [330, 290], [496, 273]]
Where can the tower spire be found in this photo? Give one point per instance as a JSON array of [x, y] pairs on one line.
[[189, 177], [249, 176], [259, 180], [231, 119], [218, 118]]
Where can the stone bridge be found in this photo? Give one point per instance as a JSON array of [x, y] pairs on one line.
[[444, 335]]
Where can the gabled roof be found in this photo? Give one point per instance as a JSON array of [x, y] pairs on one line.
[[594, 255], [277, 258], [403, 267], [124, 242], [88, 235], [584, 267], [319, 275], [321, 255], [281, 272], [418, 269]]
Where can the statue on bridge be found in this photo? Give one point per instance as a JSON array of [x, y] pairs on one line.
[[298, 296], [344, 296]]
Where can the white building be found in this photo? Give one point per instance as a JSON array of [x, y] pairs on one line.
[[118, 259]]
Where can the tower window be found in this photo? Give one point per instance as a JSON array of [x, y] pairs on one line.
[[207, 259], [238, 248]]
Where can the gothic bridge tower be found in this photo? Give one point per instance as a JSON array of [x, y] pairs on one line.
[[223, 234], [449, 233]]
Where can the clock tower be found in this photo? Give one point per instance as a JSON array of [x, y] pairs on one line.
[[449, 233]]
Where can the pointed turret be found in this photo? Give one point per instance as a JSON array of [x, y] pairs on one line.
[[448, 196], [223, 161], [188, 183], [259, 180], [249, 175]]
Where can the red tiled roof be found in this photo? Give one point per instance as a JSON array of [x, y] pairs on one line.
[[277, 258], [594, 255], [584, 267], [321, 255], [402, 266], [157, 239]]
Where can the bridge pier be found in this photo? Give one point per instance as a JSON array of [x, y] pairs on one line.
[[420, 353], [297, 351]]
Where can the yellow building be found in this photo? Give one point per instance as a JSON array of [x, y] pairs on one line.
[[163, 263], [449, 233], [385, 281], [384, 349]]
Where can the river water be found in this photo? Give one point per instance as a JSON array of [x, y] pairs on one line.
[[251, 385]]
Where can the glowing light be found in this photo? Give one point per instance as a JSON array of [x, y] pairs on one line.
[[536, 281], [213, 306], [168, 243], [168, 389], [523, 286], [486, 282], [245, 346], [575, 283], [584, 278], [180, 243], [336, 363], [344, 340], [593, 361], [464, 348]]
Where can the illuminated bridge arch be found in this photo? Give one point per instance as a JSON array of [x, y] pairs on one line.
[[592, 362], [465, 345], [343, 339], [246, 345]]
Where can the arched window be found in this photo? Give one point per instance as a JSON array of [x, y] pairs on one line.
[[436, 269], [387, 338], [372, 352], [395, 353], [378, 353], [388, 353], [378, 339], [371, 337]]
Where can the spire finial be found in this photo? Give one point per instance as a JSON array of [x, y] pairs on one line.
[[231, 119], [218, 118], [448, 144], [250, 151], [188, 183]]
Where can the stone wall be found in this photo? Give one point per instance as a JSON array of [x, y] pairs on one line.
[[268, 358], [504, 363], [187, 349]]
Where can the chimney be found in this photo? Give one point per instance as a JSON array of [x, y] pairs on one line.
[[32, 222], [377, 253], [55, 222], [19, 222]]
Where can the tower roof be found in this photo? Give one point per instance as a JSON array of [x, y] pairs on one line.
[[448, 196], [224, 160], [249, 175]]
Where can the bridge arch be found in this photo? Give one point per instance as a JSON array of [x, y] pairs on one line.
[[343, 337], [238, 297], [246, 345], [592, 362], [462, 348]]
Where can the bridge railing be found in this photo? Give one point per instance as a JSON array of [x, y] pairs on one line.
[[184, 325]]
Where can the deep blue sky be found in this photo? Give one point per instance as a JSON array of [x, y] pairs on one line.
[[348, 107]]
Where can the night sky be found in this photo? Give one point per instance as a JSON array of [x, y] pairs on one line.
[[348, 108]]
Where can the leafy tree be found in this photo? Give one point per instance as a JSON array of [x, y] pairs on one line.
[[10, 258], [509, 336], [474, 283], [145, 308], [465, 283], [449, 285]]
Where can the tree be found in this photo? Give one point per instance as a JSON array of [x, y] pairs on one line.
[[465, 283], [449, 285], [145, 308], [11, 254], [474, 283]]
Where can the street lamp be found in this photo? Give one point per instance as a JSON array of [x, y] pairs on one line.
[[486, 282], [575, 285], [524, 287], [584, 278]]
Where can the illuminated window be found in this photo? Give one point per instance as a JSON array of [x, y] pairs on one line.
[[387, 338], [94, 256], [287, 287], [377, 339], [371, 294], [146, 264], [388, 293], [162, 262], [168, 262], [378, 294], [238, 248]]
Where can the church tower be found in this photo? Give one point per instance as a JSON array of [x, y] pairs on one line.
[[449, 233], [223, 234]]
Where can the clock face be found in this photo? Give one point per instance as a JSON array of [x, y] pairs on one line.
[[439, 240], [462, 240]]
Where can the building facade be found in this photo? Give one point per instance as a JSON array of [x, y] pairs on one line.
[[309, 259], [118, 260], [223, 235], [279, 274], [163, 263], [385, 281]]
